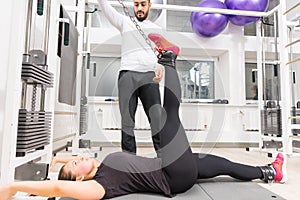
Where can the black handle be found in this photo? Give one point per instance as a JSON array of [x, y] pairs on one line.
[[294, 77], [88, 60], [94, 71], [253, 77], [276, 70], [40, 7], [67, 34]]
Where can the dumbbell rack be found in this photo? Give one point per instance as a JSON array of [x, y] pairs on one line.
[[34, 126]]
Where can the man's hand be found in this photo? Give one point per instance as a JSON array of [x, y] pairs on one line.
[[158, 74]]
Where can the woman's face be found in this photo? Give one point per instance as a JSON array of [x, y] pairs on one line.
[[81, 167]]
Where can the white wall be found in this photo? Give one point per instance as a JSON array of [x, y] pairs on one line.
[[12, 42], [230, 50]]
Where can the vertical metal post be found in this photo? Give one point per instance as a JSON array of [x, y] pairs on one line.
[[28, 26], [26, 57], [264, 67], [276, 57], [291, 30], [46, 36], [46, 42], [23, 95], [43, 95], [259, 82], [285, 79]]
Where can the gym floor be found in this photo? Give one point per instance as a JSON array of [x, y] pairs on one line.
[[289, 190]]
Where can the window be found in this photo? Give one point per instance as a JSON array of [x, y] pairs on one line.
[[271, 78], [197, 79]]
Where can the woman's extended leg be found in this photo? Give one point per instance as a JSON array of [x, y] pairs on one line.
[[210, 166], [176, 154]]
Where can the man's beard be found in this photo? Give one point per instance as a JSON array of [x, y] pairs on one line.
[[142, 18]]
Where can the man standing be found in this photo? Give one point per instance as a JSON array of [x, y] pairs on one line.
[[137, 72]]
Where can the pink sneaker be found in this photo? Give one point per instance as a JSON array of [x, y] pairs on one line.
[[162, 44], [279, 164]]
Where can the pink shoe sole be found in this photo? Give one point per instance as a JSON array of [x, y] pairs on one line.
[[280, 167], [163, 44]]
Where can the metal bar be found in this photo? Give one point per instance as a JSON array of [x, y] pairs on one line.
[[295, 136], [284, 80], [264, 67], [28, 27], [293, 61], [194, 9], [64, 113], [273, 10], [23, 95], [291, 30], [259, 55], [292, 8], [47, 29], [42, 100], [276, 55], [292, 43], [294, 117]]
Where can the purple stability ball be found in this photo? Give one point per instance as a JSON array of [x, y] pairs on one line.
[[209, 24], [249, 5]]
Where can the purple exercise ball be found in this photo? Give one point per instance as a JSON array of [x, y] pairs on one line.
[[249, 5], [209, 24]]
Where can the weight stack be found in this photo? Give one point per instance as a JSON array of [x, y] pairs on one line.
[[83, 116], [33, 131], [271, 122], [34, 74], [34, 127], [295, 112]]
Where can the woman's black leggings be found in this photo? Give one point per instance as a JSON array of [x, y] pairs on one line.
[[182, 168]]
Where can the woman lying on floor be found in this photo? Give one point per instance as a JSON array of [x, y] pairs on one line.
[[176, 171]]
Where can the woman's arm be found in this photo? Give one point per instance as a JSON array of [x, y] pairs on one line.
[[74, 189], [62, 159]]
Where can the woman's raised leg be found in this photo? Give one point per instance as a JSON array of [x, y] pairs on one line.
[[177, 157]]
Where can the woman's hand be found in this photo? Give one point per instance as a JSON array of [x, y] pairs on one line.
[[53, 162], [6, 192]]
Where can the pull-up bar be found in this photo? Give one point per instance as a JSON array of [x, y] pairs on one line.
[[198, 9]]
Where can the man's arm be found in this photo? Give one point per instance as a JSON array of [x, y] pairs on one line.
[[113, 16], [74, 189]]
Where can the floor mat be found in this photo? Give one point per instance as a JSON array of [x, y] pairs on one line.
[[220, 188], [227, 189]]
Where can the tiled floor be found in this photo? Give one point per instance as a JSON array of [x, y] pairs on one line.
[[289, 190]]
